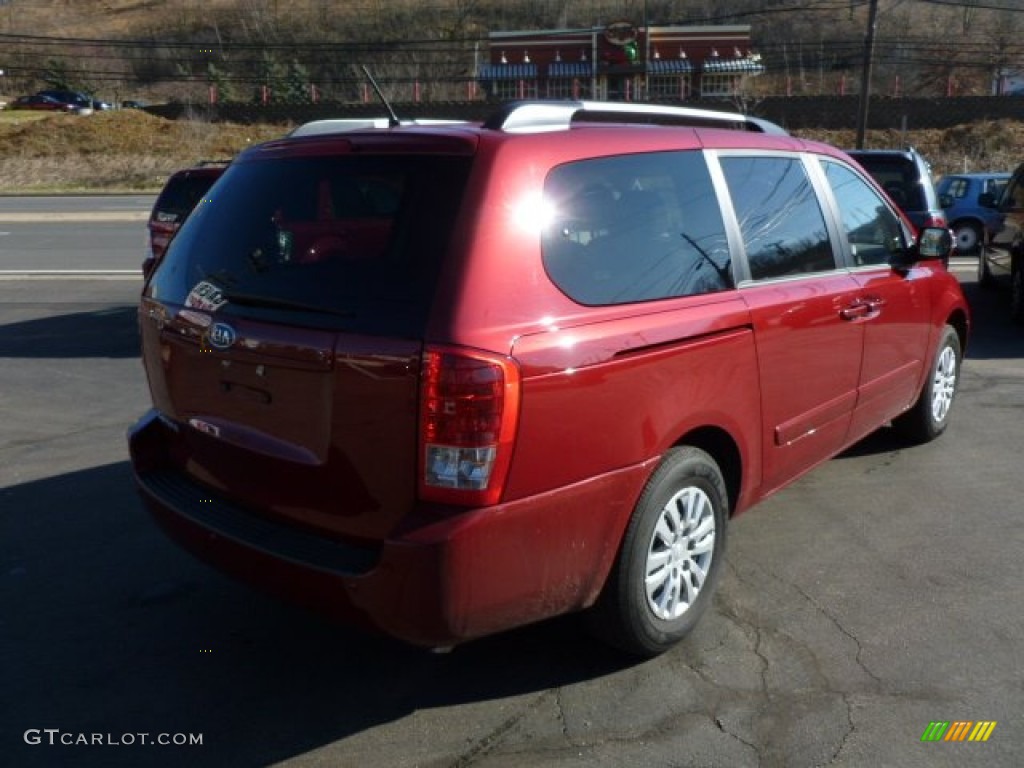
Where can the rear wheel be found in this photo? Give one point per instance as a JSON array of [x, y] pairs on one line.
[[670, 557], [929, 416], [968, 237]]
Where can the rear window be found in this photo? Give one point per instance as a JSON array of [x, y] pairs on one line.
[[899, 177], [344, 242], [180, 196]]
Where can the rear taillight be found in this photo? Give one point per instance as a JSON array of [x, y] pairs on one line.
[[469, 406], [935, 220]]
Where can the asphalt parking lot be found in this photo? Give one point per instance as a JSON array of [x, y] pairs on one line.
[[879, 594]]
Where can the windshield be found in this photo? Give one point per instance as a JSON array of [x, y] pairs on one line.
[[353, 242]]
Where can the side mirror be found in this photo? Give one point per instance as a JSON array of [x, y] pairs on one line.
[[945, 201], [986, 200], [932, 243]]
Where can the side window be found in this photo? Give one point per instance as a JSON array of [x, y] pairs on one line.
[[780, 219], [872, 229], [635, 228], [1014, 195], [995, 187]]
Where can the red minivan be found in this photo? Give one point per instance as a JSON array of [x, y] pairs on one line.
[[444, 381]]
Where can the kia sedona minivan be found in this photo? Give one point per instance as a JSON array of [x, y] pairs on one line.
[[443, 381]]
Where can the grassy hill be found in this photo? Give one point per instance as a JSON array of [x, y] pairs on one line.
[[130, 150], [123, 150]]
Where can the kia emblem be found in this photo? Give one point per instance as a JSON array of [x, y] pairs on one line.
[[222, 335]]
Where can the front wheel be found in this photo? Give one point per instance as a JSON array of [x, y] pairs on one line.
[[670, 558], [929, 416]]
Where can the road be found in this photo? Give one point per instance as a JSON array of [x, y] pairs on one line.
[[74, 234], [880, 593]]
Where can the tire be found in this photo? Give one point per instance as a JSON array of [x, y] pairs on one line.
[[968, 237], [670, 557], [929, 416], [984, 275], [1017, 291]]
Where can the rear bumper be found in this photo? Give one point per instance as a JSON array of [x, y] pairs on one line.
[[441, 580]]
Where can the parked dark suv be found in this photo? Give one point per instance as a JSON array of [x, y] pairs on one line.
[[182, 192], [1002, 259], [449, 380], [906, 177]]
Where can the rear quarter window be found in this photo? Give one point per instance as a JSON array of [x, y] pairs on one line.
[[635, 228]]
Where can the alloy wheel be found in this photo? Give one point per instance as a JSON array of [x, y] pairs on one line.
[[679, 554], [944, 386]]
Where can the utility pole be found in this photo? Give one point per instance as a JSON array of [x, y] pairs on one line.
[[865, 77]]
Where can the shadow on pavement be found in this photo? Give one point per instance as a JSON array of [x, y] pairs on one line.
[[107, 628], [110, 332], [993, 334]]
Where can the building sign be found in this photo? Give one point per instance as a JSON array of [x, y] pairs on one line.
[[620, 33]]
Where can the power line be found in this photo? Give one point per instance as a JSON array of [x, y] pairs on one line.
[[979, 6]]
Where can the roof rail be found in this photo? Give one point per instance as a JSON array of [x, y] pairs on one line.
[[538, 116]]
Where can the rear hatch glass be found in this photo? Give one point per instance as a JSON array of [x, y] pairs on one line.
[[899, 177], [347, 242], [291, 312], [181, 194]]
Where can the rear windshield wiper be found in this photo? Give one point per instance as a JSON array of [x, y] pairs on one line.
[[270, 302]]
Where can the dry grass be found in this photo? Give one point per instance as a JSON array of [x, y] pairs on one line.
[[130, 150], [125, 150]]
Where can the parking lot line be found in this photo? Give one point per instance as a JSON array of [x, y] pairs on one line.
[[70, 274]]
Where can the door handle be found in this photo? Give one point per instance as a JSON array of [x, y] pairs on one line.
[[869, 306], [855, 311]]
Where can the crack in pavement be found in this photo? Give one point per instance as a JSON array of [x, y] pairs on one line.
[[560, 714], [485, 745], [819, 608], [839, 625], [846, 736], [755, 748]]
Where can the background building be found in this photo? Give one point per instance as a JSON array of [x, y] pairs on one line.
[[619, 62]]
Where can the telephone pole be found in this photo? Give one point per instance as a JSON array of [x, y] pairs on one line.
[[865, 77]]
